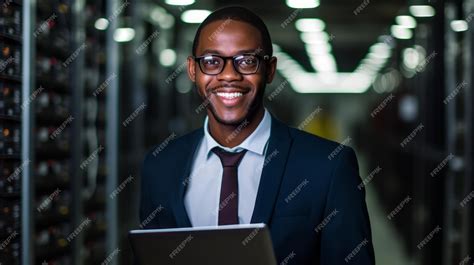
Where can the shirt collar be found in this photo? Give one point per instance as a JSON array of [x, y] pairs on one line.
[[255, 142]]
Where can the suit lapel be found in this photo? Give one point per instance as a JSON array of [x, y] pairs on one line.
[[272, 173], [182, 177]]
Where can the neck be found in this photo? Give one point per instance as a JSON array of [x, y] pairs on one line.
[[233, 135]]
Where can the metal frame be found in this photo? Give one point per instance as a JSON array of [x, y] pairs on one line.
[[77, 88], [112, 132], [450, 119], [467, 243], [27, 184]]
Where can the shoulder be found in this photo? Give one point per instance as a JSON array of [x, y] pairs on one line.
[[307, 144], [171, 147]]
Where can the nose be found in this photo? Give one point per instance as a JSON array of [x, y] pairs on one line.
[[229, 73]]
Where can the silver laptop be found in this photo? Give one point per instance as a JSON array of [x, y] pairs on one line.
[[213, 245]]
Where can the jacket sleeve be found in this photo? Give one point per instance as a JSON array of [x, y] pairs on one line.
[[346, 237]]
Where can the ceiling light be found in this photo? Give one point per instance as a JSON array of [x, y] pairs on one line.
[[101, 24], [302, 3], [324, 63], [124, 34], [400, 32], [316, 49], [314, 37], [380, 50], [179, 2], [309, 82], [310, 24], [195, 15], [411, 58], [163, 18], [459, 25], [168, 57], [422, 10], [406, 21]]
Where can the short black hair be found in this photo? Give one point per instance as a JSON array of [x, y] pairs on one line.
[[237, 13]]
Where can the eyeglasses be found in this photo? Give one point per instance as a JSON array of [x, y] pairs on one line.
[[245, 64]]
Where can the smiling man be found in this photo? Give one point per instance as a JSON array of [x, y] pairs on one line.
[[245, 166]]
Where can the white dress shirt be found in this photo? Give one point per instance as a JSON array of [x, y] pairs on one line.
[[204, 187]]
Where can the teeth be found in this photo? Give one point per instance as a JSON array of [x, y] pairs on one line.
[[229, 95]]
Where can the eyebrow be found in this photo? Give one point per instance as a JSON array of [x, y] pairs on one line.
[[210, 51]]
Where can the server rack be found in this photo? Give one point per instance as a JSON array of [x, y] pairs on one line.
[[55, 183], [443, 148], [92, 85], [53, 133], [417, 103], [11, 159], [458, 99]]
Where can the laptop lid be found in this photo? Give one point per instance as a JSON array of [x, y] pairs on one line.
[[213, 245]]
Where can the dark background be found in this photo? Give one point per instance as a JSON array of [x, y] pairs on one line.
[[82, 102]]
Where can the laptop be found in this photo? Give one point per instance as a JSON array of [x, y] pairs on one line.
[[209, 245]]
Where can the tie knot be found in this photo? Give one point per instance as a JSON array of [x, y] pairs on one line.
[[229, 159]]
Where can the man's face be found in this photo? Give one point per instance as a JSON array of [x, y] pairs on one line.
[[230, 38]]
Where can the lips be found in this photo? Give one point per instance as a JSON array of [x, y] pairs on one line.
[[230, 98]]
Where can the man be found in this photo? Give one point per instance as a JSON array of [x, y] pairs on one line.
[[245, 166]]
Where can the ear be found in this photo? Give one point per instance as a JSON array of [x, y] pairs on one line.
[[192, 69], [271, 69]]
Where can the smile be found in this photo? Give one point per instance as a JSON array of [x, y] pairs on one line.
[[229, 95], [230, 98]]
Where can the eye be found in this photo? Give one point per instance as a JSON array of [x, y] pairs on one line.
[[247, 61], [211, 61]]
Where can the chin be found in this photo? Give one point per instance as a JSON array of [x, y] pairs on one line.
[[233, 119]]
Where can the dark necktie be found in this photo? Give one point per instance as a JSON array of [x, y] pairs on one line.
[[228, 202]]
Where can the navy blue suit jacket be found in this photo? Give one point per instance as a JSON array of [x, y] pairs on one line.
[[309, 195]]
